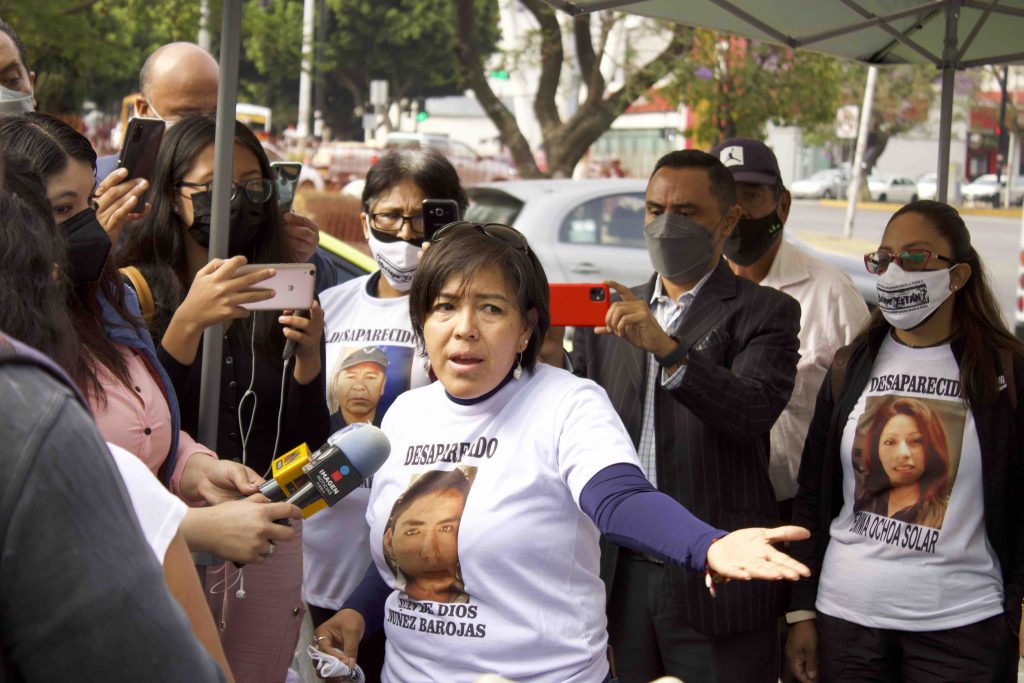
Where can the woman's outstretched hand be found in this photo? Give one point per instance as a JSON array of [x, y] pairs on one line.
[[748, 554]]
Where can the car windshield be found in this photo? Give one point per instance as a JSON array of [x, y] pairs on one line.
[[492, 206]]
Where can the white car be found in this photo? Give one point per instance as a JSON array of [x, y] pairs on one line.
[[986, 189], [893, 188], [828, 184], [581, 230]]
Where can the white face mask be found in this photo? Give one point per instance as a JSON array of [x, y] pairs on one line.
[[14, 101], [907, 299], [397, 260]]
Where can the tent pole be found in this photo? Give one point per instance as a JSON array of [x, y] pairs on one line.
[[858, 155], [946, 108], [224, 149]]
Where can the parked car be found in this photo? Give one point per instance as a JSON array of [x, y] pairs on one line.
[[592, 230], [893, 188], [472, 167], [828, 184], [986, 189]]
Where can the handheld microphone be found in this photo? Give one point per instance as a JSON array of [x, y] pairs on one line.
[[287, 470], [344, 466]]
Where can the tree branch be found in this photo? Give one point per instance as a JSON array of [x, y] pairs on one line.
[[471, 68], [551, 56], [584, 45]]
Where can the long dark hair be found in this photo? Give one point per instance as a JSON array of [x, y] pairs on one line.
[[975, 310], [48, 144], [156, 244], [33, 279]]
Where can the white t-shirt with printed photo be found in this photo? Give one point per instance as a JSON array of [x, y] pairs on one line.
[[909, 550], [499, 531], [335, 544]]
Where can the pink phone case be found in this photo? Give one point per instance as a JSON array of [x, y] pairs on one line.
[[294, 285]]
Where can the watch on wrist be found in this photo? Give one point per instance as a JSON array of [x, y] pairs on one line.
[[676, 356]]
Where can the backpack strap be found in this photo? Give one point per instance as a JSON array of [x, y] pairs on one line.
[[1006, 360], [839, 363], [141, 287]]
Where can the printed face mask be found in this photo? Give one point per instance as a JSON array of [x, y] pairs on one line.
[[14, 101], [752, 238], [680, 249], [246, 222], [88, 246], [396, 258], [908, 299]]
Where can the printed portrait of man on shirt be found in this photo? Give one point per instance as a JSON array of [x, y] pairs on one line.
[[357, 385], [421, 543], [907, 456]]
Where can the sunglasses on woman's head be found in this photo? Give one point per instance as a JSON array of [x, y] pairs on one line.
[[505, 233], [909, 259]]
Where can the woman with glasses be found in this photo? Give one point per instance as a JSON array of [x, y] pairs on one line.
[[506, 563], [371, 360], [911, 476], [262, 410]]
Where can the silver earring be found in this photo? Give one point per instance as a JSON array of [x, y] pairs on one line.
[[518, 371]]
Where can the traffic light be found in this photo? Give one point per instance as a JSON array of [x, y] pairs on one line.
[[499, 75], [422, 116]]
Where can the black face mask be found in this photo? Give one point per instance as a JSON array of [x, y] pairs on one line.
[[246, 222], [751, 238], [88, 246]]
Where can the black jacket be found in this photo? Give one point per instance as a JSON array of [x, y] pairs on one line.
[[820, 496], [712, 431]]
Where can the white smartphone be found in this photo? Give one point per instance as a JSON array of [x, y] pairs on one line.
[[294, 285]]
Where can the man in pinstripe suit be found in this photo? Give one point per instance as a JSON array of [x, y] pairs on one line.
[[699, 363]]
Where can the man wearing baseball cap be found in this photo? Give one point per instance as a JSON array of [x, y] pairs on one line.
[[358, 384], [832, 311]]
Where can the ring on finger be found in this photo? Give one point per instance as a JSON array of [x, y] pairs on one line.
[[270, 548], [317, 639]]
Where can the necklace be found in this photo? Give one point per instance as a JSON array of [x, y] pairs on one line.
[[941, 342]]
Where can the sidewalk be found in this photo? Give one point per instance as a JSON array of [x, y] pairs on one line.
[[836, 244], [891, 207]]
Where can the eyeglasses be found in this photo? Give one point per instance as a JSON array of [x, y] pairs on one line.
[[909, 259], [505, 233], [257, 190], [393, 222]]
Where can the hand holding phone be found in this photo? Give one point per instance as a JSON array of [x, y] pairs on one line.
[[293, 284], [438, 213], [142, 140], [578, 304]]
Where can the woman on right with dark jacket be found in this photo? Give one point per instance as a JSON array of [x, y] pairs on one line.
[[896, 596]]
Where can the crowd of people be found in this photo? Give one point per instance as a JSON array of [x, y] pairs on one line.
[[743, 475]]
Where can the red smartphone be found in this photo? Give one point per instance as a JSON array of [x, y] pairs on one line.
[[141, 145], [578, 304]]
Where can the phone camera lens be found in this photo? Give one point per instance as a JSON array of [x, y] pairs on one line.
[[596, 294], [291, 288]]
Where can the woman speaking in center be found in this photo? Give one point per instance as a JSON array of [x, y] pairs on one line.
[[558, 471]]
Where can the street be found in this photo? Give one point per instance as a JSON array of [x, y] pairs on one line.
[[997, 240]]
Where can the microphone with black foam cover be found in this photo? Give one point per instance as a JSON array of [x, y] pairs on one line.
[[342, 466]]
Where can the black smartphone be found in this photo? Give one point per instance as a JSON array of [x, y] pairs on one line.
[[286, 179], [141, 145], [436, 214]]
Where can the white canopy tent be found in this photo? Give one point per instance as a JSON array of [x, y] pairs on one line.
[[951, 34]]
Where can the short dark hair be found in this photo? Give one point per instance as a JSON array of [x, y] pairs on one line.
[[427, 168], [467, 251], [47, 141], [19, 46], [723, 185]]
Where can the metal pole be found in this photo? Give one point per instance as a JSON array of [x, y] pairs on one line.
[[306, 76], [858, 155], [224, 148], [946, 109], [204, 25]]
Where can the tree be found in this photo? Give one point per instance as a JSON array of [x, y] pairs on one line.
[[565, 140], [904, 95], [738, 85]]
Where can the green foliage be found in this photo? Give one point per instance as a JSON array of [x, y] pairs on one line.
[[94, 48], [737, 86]]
